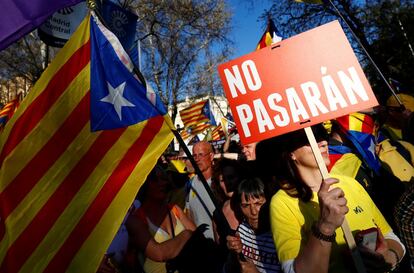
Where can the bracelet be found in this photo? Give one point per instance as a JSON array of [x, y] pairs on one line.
[[318, 234], [397, 258]]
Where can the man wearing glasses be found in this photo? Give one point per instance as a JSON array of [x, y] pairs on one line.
[[198, 203]]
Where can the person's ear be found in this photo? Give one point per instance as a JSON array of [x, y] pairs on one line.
[[292, 156]]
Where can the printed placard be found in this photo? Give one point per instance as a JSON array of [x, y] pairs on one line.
[[301, 81]]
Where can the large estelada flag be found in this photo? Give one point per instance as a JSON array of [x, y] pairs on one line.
[[74, 155]]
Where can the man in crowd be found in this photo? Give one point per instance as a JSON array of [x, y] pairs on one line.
[[199, 205]]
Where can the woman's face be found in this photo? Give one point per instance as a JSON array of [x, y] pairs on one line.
[[303, 156], [250, 207]]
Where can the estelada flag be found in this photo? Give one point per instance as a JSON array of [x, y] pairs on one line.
[[197, 113], [8, 110], [270, 36], [359, 129], [218, 133], [74, 155]]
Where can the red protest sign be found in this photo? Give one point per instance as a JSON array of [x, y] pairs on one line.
[[301, 81]]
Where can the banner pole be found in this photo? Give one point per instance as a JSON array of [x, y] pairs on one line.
[[356, 256]]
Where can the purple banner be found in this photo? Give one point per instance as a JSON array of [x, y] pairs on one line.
[[19, 17]]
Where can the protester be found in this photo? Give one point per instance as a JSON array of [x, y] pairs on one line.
[[158, 230], [199, 205], [253, 241], [307, 212], [249, 151], [397, 117], [381, 162], [227, 174]]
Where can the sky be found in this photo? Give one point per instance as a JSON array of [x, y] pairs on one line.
[[247, 30]]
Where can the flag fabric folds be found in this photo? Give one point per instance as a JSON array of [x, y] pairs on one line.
[[218, 133], [186, 133], [19, 17], [198, 117], [359, 129], [197, 113], [8, 110], [270, 36], [65, 189], [199, 128]]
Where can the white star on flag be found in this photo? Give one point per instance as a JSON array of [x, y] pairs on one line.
[[372, 148], [116, 98]]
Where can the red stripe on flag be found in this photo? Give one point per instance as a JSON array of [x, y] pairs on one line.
[[111, 188], [39, 107], [192, 107], [367, 125], [46, 157], [344, 122], [333, 158], [43, 222]]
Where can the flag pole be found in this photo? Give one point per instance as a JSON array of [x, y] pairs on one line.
[[356, 255], [366, 52], [222, 220]]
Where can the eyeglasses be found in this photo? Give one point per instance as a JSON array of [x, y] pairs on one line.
[[200, 155]]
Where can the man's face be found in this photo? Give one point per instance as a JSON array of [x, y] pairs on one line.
[[203, 156], [251, 208], [249, 151]]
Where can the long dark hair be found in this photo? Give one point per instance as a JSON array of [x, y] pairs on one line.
[[273, 156]]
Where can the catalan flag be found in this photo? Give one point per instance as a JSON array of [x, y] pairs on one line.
[[74, 155], [270, 36], [8, 110], [186, 133], [197, 113], [199, 128], [359, 129], [218, 133]]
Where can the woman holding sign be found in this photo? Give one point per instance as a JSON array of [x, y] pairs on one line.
[[306, 214]]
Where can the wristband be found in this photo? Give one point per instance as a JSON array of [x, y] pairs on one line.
[[318, 234]]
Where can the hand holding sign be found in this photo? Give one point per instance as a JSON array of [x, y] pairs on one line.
[[298, 82]]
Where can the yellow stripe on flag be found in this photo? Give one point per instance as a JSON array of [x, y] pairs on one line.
[[39, 195], [70, 47], [36, 139], [117, 208], [88, 192], [356, 123]]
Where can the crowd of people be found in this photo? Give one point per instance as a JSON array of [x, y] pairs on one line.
[[265, 207]]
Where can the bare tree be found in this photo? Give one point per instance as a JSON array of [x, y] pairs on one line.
[[182, 42], [373, 22], [23, 59]]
